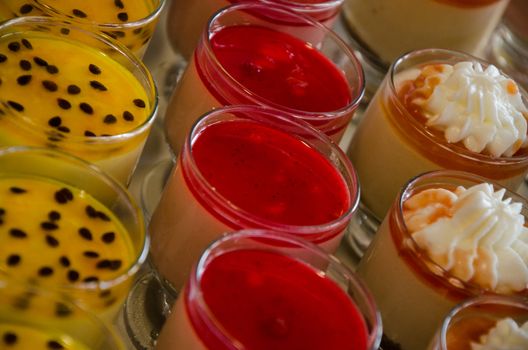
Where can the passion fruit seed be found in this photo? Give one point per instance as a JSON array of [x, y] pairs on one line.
[[25, 9]]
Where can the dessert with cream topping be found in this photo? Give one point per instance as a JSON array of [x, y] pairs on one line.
[[59, 92], [449, 235], [440, 109], [386, 29], [485, 323]]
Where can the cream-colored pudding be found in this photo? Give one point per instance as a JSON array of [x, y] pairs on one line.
[[386, 29], [448, 237], [458, 115]]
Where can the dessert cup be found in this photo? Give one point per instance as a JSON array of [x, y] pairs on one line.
[[270, 171], [59, 91], [301, 298], [69, 227], [131, 23], [281, 67], [33, 318], [471, 323], [414, 268], [394, 141], [188, 18], [382, 30]]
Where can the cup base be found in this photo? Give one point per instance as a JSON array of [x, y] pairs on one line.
[[152, 186], [361, 231]]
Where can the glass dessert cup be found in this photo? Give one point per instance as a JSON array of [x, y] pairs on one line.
[[59, 91], [187, 18], [468, 322], [132, 23], [268, 71], [33, 318], [382, 30], [328, 309], [410, 270], [404, 145], [69, 228]]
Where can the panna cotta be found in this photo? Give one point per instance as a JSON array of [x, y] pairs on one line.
[[277, 68], [59, 92], [273, 300], [69, 228], [385, 29], [485, 323], [131, 22], [245, 167], [439, 109], [187, 19], [449, 236]]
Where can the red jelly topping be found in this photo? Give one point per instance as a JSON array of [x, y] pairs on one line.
[[269, 301], [270, 173], [281, 68]]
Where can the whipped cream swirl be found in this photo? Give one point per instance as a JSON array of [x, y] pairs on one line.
[[479, 107], [506, 335], [474, 234]]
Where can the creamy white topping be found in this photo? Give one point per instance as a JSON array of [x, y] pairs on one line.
[[479, 107], [475, 234], [506, 335]]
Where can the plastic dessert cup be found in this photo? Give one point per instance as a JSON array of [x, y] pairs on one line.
[[498, 322], [401, 136], [382, 30], [441, 244], [275, 300], [246, 167], [69, 228], [32, 318], [59, 91], [131, 22], [187, 18], [279, 67]]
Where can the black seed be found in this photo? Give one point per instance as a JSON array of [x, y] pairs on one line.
[[123, 16], [50, 85], [105, 293], [17, 190], [119, 4], [73, 275], [27, 44], [115, 264], [64, 104], [137, 31], [55, 121], [91, 279], [54, 215], [13, 260], [63, 196], [74, 90], [25, 9], [110, 301], [14, 46], [61, 310], [3, 58], [40, 62], [25, 65], [21, 303], [103, 216], [15, 105], [86, 108], [103, 264], [17, 233], [90, 211], [49, 226], [128, 116], [79, 13], [94, 69], [52, 241], [119, 33], [64, 129], [53, 139], [88, 133], [52, 69], [24, 79], [110, 34], [45, 271], [108, 237], [91, 254], [65, 31], [97, 85], [64, 261], [85, 233], [110, 119], [10, 338], [139, 103], [2, 211]]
